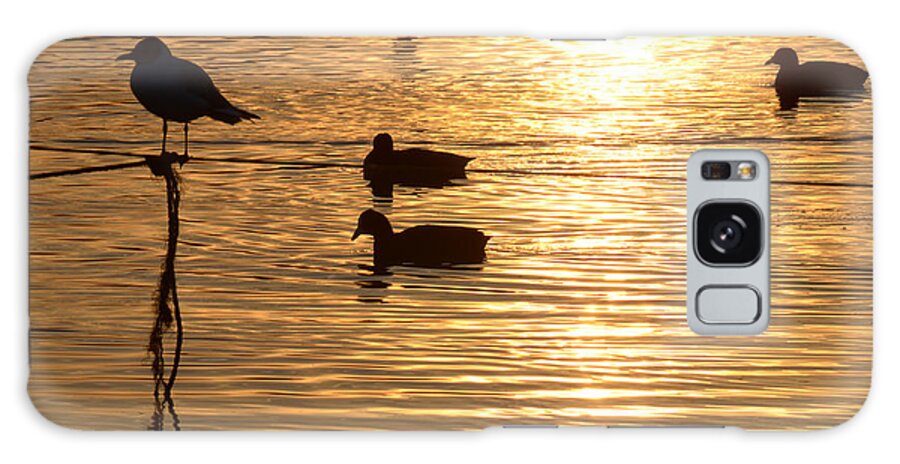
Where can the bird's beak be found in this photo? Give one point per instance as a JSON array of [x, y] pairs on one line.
[[127, 56], [768, 62], [355, 234]]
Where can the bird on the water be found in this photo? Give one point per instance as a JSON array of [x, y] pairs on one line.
[[177, 90], [427, 246], [411, 162], [814, 78]]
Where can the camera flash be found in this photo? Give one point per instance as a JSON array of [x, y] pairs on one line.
[[746, 170]]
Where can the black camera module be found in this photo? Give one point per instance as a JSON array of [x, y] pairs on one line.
[[728, 233]]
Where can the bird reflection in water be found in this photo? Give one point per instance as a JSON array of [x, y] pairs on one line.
[[405, 60], [373, 287], [382, 184], [166, 305]]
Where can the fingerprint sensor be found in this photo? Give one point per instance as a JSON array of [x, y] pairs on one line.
[[728, 305]]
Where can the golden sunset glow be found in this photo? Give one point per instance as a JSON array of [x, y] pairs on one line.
[[575, 317]]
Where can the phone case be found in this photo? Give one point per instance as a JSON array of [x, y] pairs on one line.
[[517, 210]]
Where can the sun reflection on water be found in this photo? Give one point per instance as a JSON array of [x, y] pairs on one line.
[[577, 316]]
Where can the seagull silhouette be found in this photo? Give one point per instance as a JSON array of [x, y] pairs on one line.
[[177, 90]]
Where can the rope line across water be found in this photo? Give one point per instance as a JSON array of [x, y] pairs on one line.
[[318, 164]]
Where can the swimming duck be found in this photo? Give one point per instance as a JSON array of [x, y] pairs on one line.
[[411, 162], [428, 245], [814, 78]]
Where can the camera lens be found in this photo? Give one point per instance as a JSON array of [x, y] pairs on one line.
[[728, 233]]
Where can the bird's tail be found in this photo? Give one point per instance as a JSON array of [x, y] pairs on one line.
[[247, 115], [232, 115]]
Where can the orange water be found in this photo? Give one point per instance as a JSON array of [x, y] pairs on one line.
[[576, 318]]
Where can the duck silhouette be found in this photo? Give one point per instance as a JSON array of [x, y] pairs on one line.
[[411, 163], [177, 90], [814, 78], [426, 246]]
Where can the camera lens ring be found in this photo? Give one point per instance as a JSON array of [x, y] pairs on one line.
[[743, 248]]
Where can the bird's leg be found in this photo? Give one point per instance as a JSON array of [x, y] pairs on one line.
[[185, 140], [165, 132]]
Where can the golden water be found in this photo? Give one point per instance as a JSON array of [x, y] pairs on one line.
[[576, 318]]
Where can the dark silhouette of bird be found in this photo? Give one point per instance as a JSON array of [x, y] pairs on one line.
[[427, 246], [411, 163], [177, 90], [814, 78]]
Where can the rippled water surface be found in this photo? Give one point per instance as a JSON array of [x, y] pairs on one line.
[[577, 316]]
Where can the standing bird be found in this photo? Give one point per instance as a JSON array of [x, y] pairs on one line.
[[814, 78], [177, 90], [427, 246]]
